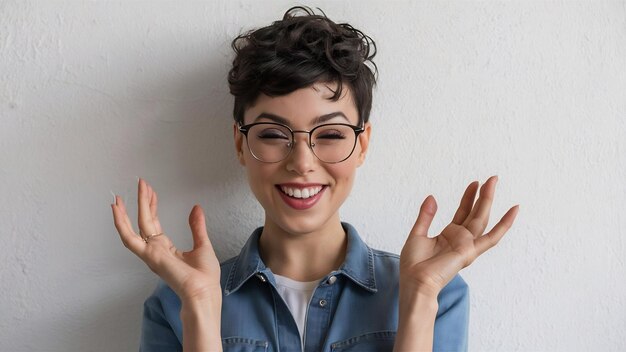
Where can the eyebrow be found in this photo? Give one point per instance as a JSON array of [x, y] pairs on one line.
[[316, 121]]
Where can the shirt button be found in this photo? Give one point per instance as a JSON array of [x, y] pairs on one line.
[[261, 277], [323, 302], [331, 280]]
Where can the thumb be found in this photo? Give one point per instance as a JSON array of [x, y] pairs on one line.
[[198, 227], [425, 218]]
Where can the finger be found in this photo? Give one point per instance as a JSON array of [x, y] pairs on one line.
[[153, 211], [425, 217], [466, 203], [146, 225], [490, 239], [122, 206], [127, 235], [198, 229], [477, 220]]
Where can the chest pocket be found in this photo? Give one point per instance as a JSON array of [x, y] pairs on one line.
[[378, 341], [242, 344]]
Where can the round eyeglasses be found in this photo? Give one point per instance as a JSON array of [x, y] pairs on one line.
[[271, 142]]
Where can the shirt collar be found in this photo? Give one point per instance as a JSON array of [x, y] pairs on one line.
[[359, 262], [358, 265]]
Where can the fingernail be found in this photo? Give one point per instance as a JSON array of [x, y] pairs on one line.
[[114, 200]]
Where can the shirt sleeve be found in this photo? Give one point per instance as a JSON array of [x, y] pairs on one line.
[[452, 322], [156, 332]]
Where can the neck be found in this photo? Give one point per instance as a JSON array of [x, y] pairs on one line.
[[303, 256]]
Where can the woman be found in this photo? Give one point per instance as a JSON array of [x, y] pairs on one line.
[[305, 280]]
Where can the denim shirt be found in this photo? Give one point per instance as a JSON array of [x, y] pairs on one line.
[[354, 308]]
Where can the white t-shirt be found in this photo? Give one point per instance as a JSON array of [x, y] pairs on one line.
[[297, 295]]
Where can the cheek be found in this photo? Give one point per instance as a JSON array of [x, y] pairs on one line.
[[259, 177], [344, 172]]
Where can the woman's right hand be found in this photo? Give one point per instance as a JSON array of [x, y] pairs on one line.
[[193, 275]]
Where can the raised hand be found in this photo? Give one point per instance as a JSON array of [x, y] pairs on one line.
[[193, 275], [428, 264]]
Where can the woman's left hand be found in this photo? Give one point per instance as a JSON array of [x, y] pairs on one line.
[[428, 264]]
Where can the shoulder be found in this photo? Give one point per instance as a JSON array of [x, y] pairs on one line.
[[455, 293], [452, 322], [163, 296]]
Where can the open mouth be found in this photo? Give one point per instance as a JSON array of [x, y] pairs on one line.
[[301, 193], [301, 198]]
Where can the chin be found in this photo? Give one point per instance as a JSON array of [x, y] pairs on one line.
[[301, 225]]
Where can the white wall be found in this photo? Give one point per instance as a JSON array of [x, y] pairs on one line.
[[93, 94]]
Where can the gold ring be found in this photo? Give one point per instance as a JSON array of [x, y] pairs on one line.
[[146, 238]]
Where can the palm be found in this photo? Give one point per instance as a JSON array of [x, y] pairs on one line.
[[192, 275], [430, 263]]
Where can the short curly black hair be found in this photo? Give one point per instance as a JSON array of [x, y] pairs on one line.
[[302, 49]]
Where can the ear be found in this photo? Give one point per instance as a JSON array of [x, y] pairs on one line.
[[238, 136], [364, 139]]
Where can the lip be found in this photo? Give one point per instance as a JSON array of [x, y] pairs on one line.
[[300, 185], [299, 203]]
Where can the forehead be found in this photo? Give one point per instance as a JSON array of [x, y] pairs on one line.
[[304, 106]]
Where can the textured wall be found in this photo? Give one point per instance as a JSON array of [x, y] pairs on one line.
[[94, 94]]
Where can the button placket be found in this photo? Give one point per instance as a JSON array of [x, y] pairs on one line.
[[319, 314]]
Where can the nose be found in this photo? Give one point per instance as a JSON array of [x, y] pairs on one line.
[[301, 160]]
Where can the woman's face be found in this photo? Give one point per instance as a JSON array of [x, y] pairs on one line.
[[302, 169]]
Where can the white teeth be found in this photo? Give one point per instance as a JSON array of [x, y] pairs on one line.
[[303, 193]]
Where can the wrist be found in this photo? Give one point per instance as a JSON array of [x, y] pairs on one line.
[[425, 291], [197, 306], [207, 296], [416, 321], [201, 321], [418, 303]]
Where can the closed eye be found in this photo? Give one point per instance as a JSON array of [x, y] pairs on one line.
[[331, 136], [272, 135]]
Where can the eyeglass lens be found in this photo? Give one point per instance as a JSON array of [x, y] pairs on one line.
[[330, 143]]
